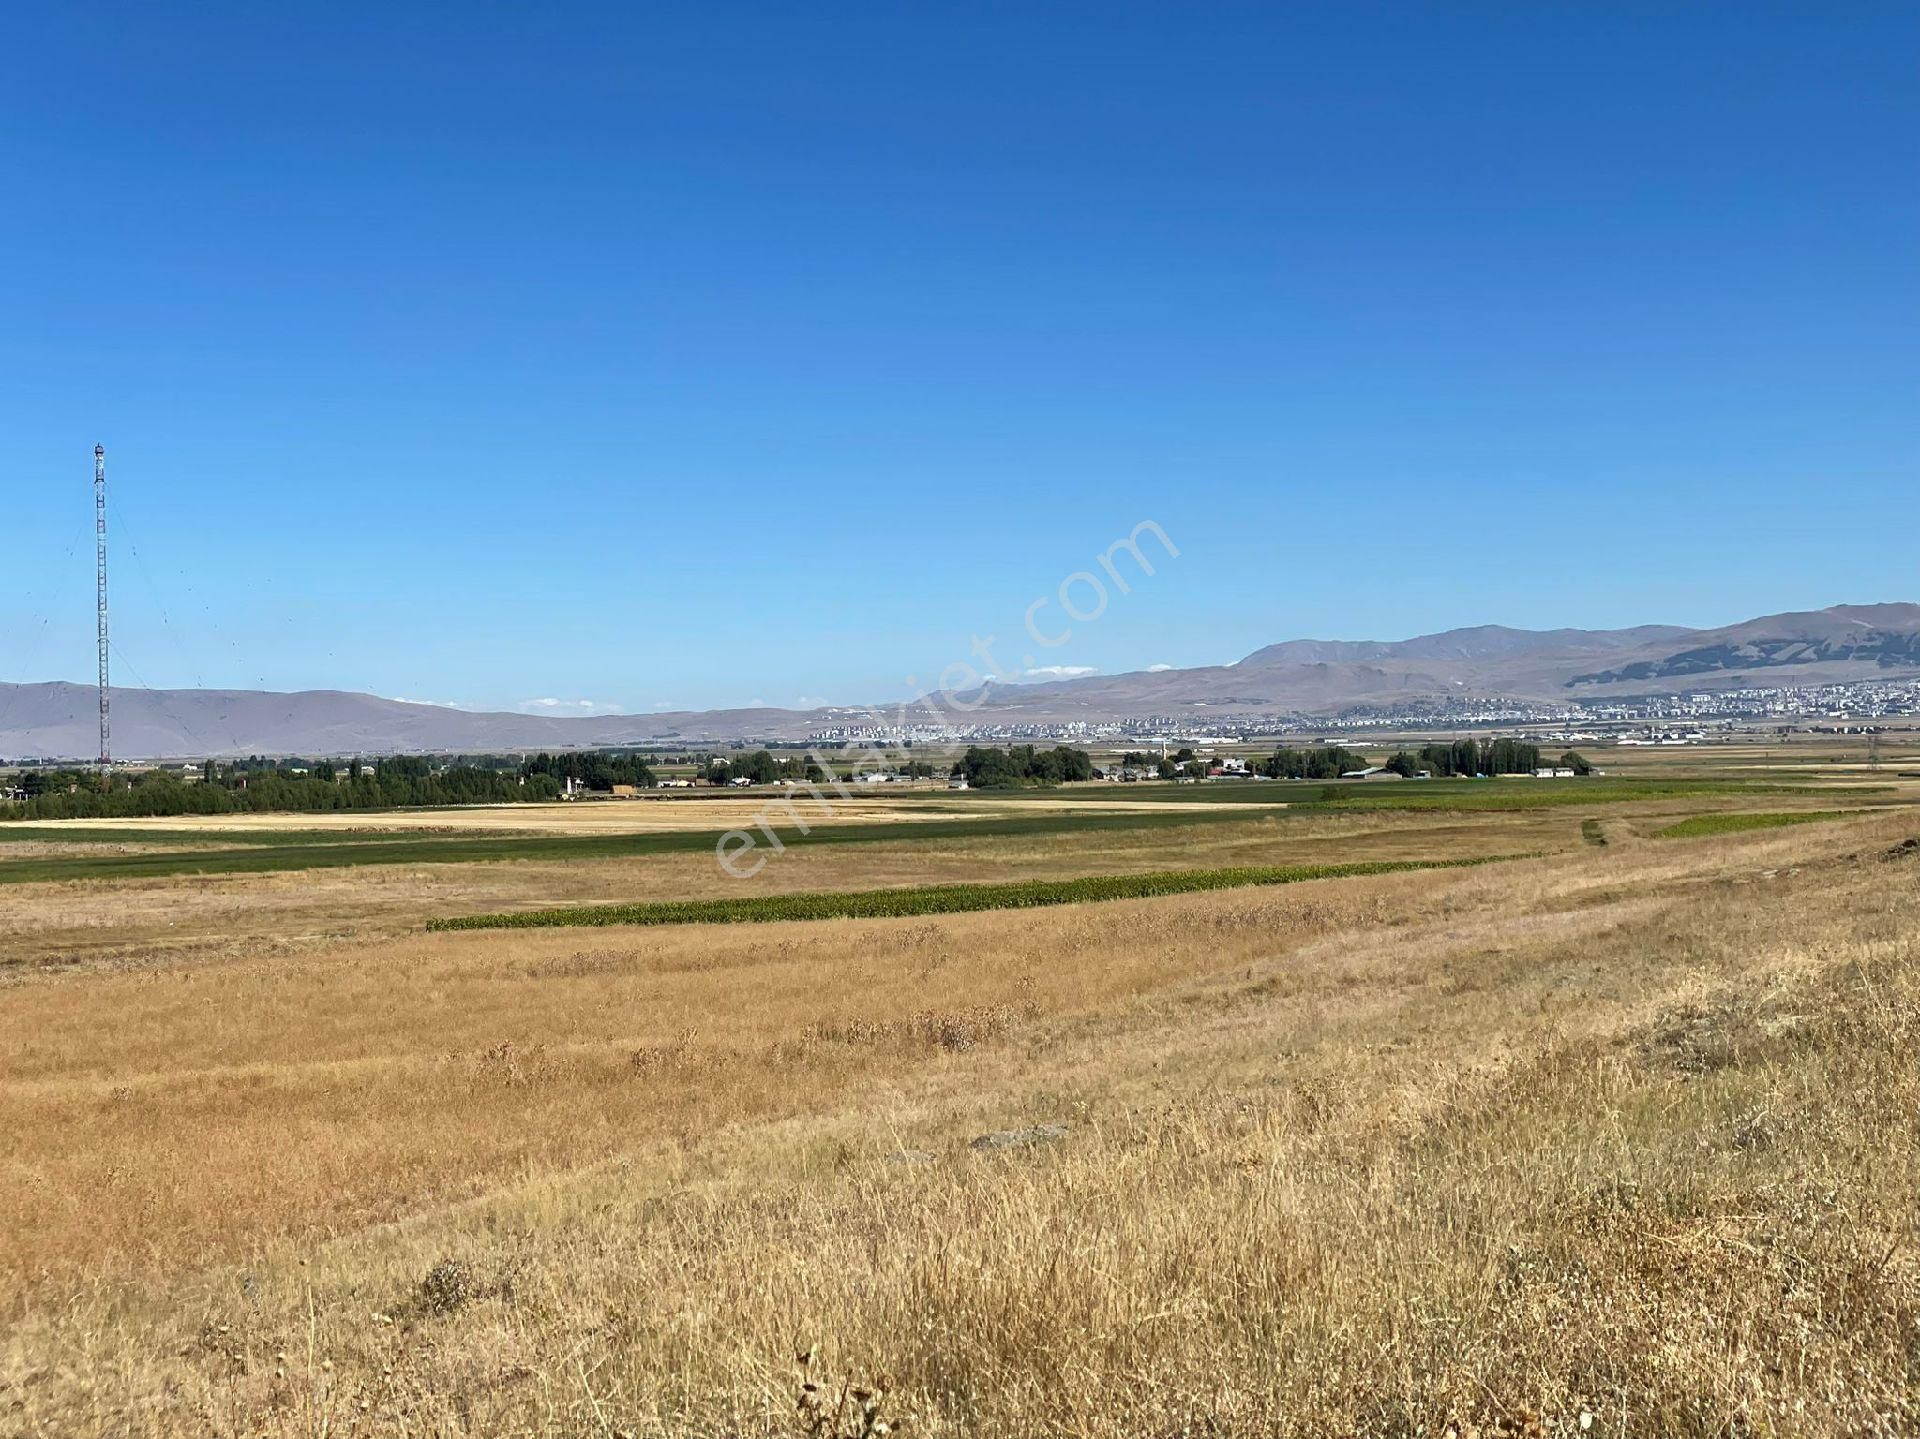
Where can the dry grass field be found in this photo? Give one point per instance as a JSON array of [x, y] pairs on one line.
[[1616, 1139], [180, 918], [704, 811], [57, 926]]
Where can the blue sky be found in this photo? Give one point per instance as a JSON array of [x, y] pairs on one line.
[[658, 356]]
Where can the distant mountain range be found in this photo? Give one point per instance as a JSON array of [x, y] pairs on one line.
[[1323, 677], [1305, 677]]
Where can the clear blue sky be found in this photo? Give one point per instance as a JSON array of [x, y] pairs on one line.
[[698, 354]]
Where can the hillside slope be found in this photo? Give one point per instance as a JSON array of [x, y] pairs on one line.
[[1303, 677]]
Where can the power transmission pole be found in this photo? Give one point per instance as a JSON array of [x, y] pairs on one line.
[[100, 601]]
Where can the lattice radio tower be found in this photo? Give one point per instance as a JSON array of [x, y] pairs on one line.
[[100, 601]]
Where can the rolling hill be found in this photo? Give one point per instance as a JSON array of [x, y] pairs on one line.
[[1307, 677]]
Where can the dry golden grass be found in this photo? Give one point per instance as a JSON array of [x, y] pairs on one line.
[[1622, 1132]]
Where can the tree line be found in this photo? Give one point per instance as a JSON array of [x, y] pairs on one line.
[[294, 785], [1329, 762], [595, 769], [1487, 757], [1022, 765], [761, 767], [1463, 757], [387, 784], [409, 781]]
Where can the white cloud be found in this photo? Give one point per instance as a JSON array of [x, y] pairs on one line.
[[550, 705], [1155, 669], [811, 702], [1060, 672], [437, 704]]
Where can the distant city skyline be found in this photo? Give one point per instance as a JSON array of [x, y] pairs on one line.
[[595, 359]]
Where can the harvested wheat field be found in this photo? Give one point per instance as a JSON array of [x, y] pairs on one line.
[[182, 918], [703, 812], [1615, 1139]]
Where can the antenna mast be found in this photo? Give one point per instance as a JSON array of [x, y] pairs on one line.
[[100, 600]]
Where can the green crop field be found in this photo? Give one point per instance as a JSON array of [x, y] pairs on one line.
[[1702, 825], [934, 899], [1518, 794]]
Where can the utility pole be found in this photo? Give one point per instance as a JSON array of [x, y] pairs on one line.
[[100, 602]]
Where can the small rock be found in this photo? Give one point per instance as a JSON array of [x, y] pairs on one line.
[[1906, 849], [1021, 1138]]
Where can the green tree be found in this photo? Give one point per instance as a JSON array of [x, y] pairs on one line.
[[985, 768], [1325, 763]]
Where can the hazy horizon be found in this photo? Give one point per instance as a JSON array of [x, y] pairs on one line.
[[553, 707]]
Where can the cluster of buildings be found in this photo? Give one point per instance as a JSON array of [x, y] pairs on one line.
[[1061, 732], [1590, 721], [1870, 699]]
